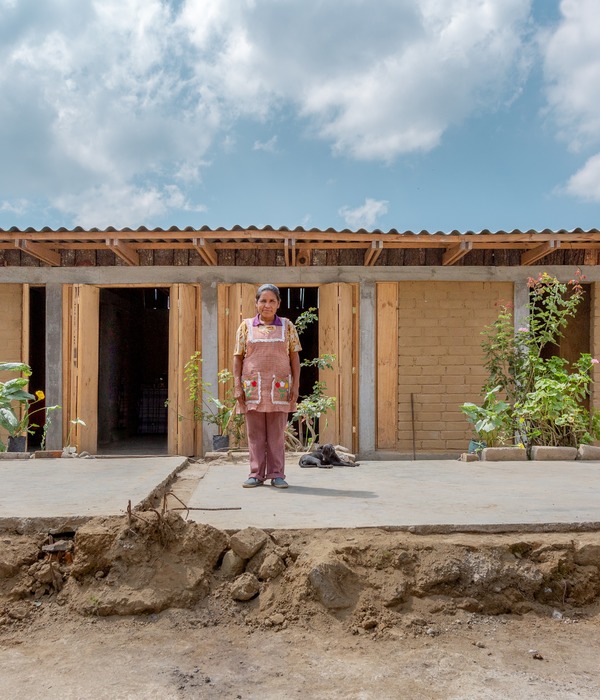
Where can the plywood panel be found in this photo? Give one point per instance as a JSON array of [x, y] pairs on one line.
[[338, 335], [185, 436], [387, 365], [14, 320], [83, 368]]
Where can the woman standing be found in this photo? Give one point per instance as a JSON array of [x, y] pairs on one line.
[[266, 371]]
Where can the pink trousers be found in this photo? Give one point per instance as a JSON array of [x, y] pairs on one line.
[[266, 444]]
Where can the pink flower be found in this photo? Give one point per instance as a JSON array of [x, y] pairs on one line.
[[595, 361], [522, 330]]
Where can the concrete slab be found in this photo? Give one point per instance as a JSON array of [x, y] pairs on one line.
[[51, 488], [495, 496]]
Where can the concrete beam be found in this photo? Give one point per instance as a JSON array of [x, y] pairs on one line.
[[54, 364], [366, 370]]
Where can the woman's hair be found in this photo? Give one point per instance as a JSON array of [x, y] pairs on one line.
[[268, 288]]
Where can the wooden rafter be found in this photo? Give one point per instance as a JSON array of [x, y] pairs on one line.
[[123, 250], [206, 250], [289, 247], [372, 253], [39, 250], [535, 254], [456, 252]]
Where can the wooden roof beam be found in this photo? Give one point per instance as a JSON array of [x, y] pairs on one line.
[[124, 251], [289, 249], [456, 252], [39, 250], [372, 253], [535, 254], [207, 251]]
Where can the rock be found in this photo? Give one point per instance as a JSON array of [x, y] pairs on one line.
[[271, 568], [93, 543], [588, 452], [245, 587], [18, 612], [555, 454], [336, 585], [48, 573], [588, 555], [59, 546], [469, 457], [277, 619], [232, 565], [247, 542], [504, 454]]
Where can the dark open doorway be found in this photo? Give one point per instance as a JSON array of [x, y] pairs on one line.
[[133, 371], [37, 361], [294, 301]]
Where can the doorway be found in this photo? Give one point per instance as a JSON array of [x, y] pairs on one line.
[[133, 366], [37, 361]]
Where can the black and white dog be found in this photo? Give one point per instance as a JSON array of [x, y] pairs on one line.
[[325, 457]]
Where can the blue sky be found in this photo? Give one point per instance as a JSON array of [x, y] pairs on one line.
[[407, 114]]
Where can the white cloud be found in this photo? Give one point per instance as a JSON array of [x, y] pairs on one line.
[[122, 205], [572, 69], [98, 95], [585, 183], [366, 215], [17, 207], [269, 146]]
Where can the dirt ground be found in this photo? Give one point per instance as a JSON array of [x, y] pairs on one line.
[[152, 606]]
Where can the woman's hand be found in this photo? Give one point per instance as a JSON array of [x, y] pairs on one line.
[[239, 394]]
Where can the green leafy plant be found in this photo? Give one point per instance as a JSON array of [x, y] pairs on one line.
[[317, 404], [17, 405], [208, 408], [492, 420], [543, 397]]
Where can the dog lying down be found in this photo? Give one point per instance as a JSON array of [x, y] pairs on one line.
[[325, 457]]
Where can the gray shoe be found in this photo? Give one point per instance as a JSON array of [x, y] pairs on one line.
[[279, 483], [251, 482]]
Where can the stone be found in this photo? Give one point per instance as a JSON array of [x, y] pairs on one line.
[[232, 565], [271, 568], [247, 542], [245, 587], [59, 546], [588, 452], [556, 454], [503, 454], [335, 584], [469, 457], [588, 555]]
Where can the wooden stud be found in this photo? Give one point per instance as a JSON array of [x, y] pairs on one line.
[[123, 250], [386, 382], [456, 252], [372, 253], [39, 250], [535, 254], [207, 251]]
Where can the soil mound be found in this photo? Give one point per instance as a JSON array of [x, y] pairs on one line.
[[368, 579]]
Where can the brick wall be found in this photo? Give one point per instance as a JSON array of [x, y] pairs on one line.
[[440, 359]]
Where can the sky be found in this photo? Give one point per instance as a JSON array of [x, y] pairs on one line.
[[434, 115]]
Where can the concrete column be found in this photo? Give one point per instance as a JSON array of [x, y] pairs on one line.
[[210, 352], [366, 371], [521, 304], [54, 364]]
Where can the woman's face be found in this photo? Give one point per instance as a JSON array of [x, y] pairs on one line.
[[267, 305]]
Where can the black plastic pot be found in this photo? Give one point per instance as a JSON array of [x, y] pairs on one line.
[[17, 443], [220, 443]]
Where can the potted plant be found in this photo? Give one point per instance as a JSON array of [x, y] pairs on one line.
[[210, 409], [544, 396], [17, 407]]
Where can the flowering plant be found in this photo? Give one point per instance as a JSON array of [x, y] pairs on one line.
[[545, 396], [17, 404]]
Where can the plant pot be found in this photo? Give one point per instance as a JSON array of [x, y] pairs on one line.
[[17, 443], [475, 446], [220, 443]]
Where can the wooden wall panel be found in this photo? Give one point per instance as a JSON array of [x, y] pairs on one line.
[[185, 323], [338, 331], [82, 382], [386, 370]]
